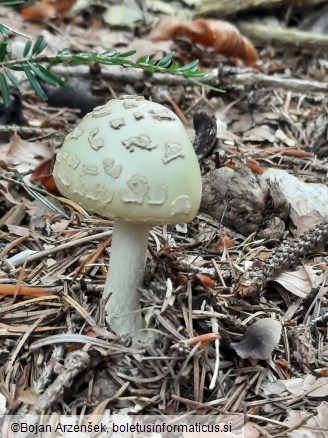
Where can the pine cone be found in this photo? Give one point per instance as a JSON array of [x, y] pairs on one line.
[[285, 256]]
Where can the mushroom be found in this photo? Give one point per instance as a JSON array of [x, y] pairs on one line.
[[259, 339], [130, 160]]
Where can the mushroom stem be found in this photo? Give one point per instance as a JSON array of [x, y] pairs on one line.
[[126, 270]]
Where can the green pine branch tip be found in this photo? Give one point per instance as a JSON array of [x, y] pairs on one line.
[[33, 60]]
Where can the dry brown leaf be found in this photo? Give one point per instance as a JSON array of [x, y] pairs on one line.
[[282, 363], [18, 231], [306, 222], [23, 328], [180, 280], [45, 9], [295, 421], [42, 10], [219, 35], [27, 396], [224, 242], [5, 192], [301, 282], [22, 154], [20, 386], [317, 388], [204, 280], [250, 430], [60, 226], [262, 133], [281, 387], [98, 410], [43, 174], [310, 386]]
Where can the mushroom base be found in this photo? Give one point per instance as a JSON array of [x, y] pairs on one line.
[[126, 271]]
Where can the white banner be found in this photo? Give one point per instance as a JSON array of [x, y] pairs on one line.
[[122, 426]]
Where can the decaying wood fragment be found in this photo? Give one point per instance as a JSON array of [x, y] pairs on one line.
[[75, 362], [241, 200]]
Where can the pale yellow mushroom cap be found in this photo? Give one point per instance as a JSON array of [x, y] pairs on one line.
[[131, 159]]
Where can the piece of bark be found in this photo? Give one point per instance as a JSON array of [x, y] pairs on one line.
[[235, 197], [75, 363], [205, 134], [14, 216], [242, 201]]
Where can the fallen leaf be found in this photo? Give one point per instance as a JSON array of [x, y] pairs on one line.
[[42, 10], [27, 396], [250, 430], [224, 242], [312, 427], [295, 421], [24, 155], [301, 282], [60, 226], [221, 36], [316, 387], [180, 280], [309, 385], [307, 221], [5, 187], [18, 231], [204, 280], [43, 174], [46, 9], [262, 133]]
